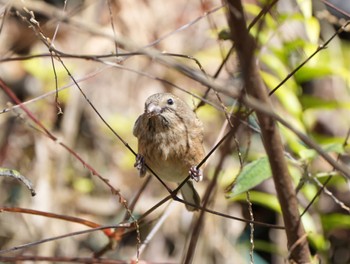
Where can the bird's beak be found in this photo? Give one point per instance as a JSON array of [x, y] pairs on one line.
[[153, 110]]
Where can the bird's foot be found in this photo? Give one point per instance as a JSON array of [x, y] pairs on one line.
[[196, 174], [140, 164]]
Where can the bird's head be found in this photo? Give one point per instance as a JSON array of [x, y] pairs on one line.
[[162, 104]]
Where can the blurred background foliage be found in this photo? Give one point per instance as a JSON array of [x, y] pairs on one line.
[[314, 100]]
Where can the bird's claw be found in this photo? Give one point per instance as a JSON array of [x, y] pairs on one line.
[[140, 164], [196, 174]]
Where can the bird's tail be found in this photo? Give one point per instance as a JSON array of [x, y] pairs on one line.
[[190, 195]]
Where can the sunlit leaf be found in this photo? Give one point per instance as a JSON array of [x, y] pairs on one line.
[[292, 140], [286, 95], [312, 29], [310, 154], [309, 72], [265, 199], [251, 175], [335, 221], [305, 7], [319, 103]]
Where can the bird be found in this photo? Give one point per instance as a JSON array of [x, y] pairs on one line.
[[170, 142]]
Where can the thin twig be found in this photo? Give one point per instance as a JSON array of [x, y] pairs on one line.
[[112, 24], [31, 244], [156, 227], [16, 175], [251, 236]]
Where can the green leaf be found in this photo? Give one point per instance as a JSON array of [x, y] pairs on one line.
[[337, 148], [289, 48], [311, 153], [305, 7], [224, 34], [313, 29], [286, 94], [315, 102], [264, 199], [335, 221], [251, 175], [310, 72], [293, 142]]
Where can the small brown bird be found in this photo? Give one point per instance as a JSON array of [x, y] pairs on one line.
[[170, 142]]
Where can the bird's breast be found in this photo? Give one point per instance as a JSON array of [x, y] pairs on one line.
[[170, 146]]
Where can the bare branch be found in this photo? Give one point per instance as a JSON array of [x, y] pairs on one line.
[[245, 47]]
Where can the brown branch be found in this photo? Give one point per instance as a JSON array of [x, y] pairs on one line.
[[245, 47], [55, 216], [45, 240]]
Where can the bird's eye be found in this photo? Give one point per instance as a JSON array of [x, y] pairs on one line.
[[170, 101]]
